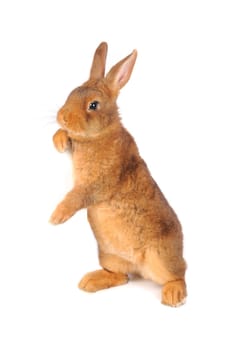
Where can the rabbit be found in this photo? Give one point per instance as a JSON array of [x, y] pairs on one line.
[[136, 230]]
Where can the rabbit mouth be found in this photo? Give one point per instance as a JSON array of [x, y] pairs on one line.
[[75, 134], [82, 134], [69, 122]]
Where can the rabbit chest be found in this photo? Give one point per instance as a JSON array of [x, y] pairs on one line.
[[96, 166]]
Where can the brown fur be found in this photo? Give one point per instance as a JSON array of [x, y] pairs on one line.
[[135, 228]]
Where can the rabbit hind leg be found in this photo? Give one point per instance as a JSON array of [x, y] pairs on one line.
[[168, 272]]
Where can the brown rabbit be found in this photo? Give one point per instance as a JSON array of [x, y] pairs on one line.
[[136, 230]]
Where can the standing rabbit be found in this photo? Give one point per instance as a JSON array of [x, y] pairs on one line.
[[136, 230]]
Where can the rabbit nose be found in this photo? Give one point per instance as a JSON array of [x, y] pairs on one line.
[[63, 116]]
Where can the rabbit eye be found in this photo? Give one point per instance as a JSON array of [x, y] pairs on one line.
[[93, 105]]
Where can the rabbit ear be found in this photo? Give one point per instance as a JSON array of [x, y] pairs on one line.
[[98, 63], [119, 74]]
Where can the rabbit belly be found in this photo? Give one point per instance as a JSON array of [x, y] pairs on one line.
[[114, 233]]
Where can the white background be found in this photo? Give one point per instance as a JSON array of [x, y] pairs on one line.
[[178, 106]]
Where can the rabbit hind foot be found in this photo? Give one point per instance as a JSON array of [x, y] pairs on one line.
[[101, 279], [174, 293]]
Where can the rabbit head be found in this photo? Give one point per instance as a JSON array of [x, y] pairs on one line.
[[92, 107]]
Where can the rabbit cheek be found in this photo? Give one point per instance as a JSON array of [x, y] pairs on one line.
[[78, 125], [91, 124]]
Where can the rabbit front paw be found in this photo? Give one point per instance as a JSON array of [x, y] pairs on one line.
[[61, 140], [61, 214]]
